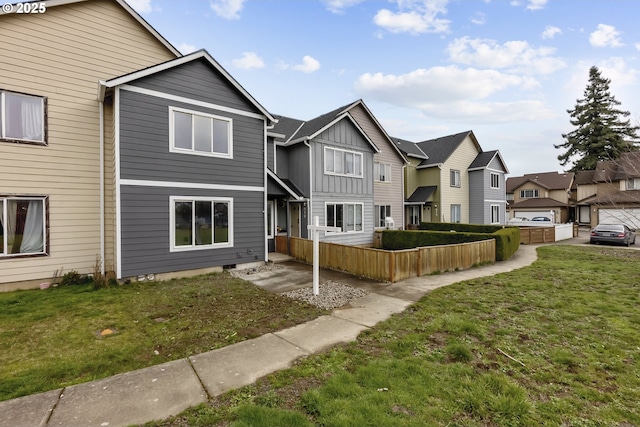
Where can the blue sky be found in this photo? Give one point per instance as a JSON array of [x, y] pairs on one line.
[[508, 70]]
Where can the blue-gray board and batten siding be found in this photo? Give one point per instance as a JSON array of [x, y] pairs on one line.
[[482, 196], [145, 156]]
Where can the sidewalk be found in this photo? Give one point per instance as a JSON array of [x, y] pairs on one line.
[[158, 392]]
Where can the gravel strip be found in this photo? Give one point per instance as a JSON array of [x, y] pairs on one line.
[[332, 295], [243, 272]]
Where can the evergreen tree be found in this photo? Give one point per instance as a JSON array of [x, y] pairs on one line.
[[601, 133]]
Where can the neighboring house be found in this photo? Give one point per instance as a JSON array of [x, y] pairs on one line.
[[450, 179], [323, 167], [185, 154], [51, 199], [610, 192], [541, 194]]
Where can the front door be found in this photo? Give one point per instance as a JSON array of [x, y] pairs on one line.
[[295, 220]]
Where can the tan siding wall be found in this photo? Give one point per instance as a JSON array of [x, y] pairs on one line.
[[542, 192], [110, 189], [62, 54], [585, 190], [559, 195], [384, 193], [460, 160]]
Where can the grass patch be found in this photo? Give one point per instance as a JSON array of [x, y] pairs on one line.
[[570, 321], [52, 338]]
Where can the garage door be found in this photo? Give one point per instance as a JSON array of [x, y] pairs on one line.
[[631, 217]]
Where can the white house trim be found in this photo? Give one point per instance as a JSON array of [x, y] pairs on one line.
[[190, 185]]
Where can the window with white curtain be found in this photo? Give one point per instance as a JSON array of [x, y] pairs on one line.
[[456, 211], [22, 117], [22, 226], [382, 172], [342, 162], [347, 216]]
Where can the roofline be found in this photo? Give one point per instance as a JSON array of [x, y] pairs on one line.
[[506, 171], [200, 54], [272, 174], [125, 6], [433, 165]]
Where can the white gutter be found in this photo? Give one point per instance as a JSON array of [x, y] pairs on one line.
[[265, 207], [309, 210], [101, 168]]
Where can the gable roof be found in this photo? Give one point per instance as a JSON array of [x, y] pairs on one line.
[[484, 159], [296, 131], [438, 150], [538, 202], [408, 148], [548, 180], [125, 6], [200, 54]]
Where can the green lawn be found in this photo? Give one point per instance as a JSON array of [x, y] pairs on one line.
[[553, 344], [52, 338]]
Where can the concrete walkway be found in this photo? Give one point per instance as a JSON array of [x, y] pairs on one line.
[[158, 392]]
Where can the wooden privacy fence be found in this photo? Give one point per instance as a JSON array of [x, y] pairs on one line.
[[391, 266], [530, 235]]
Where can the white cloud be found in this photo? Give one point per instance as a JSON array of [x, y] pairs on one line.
[[228, 9], [638, 46], [415, 17], [249, 60], [479, 18], [513, 55], [550, 32], [536, 4], [338, 6], [616, 69], [605, 36], [141, 6], [186, 48], [309, 65]]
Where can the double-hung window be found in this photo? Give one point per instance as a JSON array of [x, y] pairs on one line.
[[342, 162], [495, 180], [495, 214], [382, 212], [456, 213], [455, 178], [23, 226], [347, 216], [193, 132], [22, 117], [414, 215], [201, 223], [382, 172], [529, 194]]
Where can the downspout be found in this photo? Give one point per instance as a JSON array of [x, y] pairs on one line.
[[265, 207], [404, 196], [309, 210], [101, 168]]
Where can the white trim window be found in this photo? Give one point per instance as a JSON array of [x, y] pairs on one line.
[[194, 132], [200, 223], [22, 117], [495, 180], [23, 226], [347, 216], [633, 184], [414, 215], [382, 212], [382, 172], [456, 213], [342, 162], [495, 214], [454, 176], [529, 194]]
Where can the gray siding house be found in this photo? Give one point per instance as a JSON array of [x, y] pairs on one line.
[[188, 173], [324, 168], [487, 189]]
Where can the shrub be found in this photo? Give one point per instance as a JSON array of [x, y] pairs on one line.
[[74, 278]]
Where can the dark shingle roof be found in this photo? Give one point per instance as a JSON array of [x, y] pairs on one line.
[[628, 166], [438, 150], [286, 126], [548, 180], [542, 202], [422, 194], [483, 160], [408, 148], [619, 198]]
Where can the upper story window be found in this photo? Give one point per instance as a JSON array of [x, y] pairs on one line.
[[633, 184], [382, 172], [529, 194], [23, 226], [342, 162], [193, 132], [22, 117], [455, 178], [495, 180]]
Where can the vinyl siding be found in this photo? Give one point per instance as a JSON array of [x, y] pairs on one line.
[[460, 160], [62, 54], [298, 156]]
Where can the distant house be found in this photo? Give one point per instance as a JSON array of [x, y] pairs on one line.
[[610, 192], [323, 167], [451, 179], [187, 168], [52, 203], [541, 194]]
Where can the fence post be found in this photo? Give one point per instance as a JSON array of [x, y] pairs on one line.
[[392, 267]]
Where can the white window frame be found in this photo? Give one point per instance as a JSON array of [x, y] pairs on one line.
[[271, 222], [455, 208], [345, 223], [380, 220], [495, 177], [412, 211], [495, 214], [534, 194], [381, 172], [454, 176], [633, 184], [193, 246], [3, 118], [193, 113], [333, 151], [4, 206]]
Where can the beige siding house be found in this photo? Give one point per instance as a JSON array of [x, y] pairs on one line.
[[544, 194], [51, 155]]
